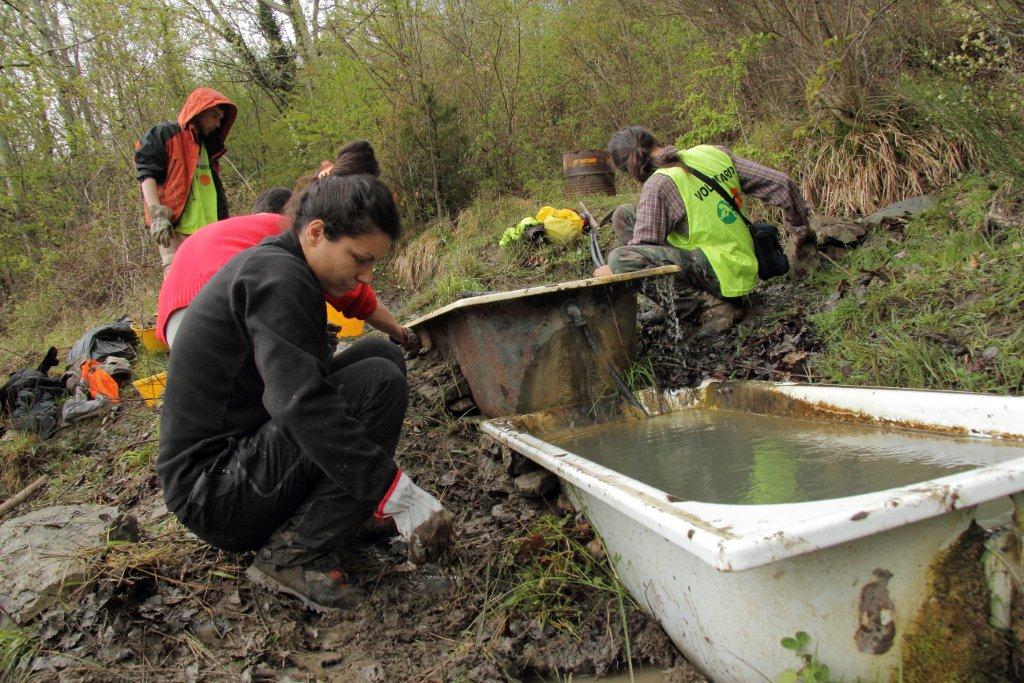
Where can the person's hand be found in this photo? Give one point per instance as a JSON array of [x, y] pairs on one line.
[[421, 520], [412, 342], [161, 230], [602, 271], [802, 235], [403, 336], [332, 332], [324, 169]]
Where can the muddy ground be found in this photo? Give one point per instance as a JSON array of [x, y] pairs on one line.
[[168, 607], [514, 599]]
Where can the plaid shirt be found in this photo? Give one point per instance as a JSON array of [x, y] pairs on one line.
[[661, 209]]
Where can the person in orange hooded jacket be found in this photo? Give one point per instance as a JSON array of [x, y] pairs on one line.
[[177, 165]]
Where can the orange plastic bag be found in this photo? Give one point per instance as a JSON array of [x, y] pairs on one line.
[[98, 381]]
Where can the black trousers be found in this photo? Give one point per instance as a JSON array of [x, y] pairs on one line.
[[264, 493]]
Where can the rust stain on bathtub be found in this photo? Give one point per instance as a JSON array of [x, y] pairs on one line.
[[876, 628]]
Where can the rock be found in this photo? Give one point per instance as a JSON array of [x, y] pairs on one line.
[[833, 231], [461, 406], [124, 528], [155, 511], [501, 514], [42, 554], [564, 504], [490, 446], [492, 476], [804, 258], [370, 672], [904, 209], [536, 484], [436, 585], [515, 463]]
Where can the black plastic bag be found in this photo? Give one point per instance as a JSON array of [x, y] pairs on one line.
[[771, 259]]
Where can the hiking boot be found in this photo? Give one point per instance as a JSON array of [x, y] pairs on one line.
[[718, 316], [320, 590]]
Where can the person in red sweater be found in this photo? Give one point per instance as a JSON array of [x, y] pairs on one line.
[[205, 252]]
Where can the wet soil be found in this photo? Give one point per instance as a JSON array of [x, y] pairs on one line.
[[165, 606], [772, 341]]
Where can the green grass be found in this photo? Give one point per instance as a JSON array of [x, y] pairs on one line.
[[468, 257], [17, 647], [547, 574], [142, 457], [945, 311]]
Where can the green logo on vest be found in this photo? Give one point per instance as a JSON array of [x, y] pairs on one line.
[[725, 213]]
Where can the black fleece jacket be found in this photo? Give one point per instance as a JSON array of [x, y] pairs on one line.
[[251, 349]]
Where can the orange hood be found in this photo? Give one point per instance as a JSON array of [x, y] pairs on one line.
[[201, 99]]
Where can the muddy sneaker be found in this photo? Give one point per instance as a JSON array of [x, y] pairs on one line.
[[320, 590], [718, 316]]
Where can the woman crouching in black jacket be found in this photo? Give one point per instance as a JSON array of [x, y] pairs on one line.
[[266, 441]]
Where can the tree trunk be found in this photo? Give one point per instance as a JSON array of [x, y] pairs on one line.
[[301, 28]]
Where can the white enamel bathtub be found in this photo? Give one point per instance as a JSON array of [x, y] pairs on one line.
[[727, 582]]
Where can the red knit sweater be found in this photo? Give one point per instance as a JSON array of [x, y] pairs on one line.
[[205, 251]]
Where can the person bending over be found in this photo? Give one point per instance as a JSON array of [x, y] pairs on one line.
[[681, 221], [199, 258]]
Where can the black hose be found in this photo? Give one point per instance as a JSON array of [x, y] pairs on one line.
[[572, 311], [595, 249]]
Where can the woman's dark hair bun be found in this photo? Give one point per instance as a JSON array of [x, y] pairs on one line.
[[354, 158]]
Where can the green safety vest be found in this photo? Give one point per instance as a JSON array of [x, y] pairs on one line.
[[201, 205], [714, 227]]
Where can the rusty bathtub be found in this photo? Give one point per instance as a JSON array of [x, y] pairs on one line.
[[520, 351]]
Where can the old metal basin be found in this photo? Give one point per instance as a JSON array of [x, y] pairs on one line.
[[520, 352]]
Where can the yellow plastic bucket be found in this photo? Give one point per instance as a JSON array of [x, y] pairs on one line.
[[149, 339], [350, 327], [151, 389]]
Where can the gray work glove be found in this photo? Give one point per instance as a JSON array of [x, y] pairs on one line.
[[160, 227], [421, 520]]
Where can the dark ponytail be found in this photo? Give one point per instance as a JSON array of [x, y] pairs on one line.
[[348, 205], [632, 148], [354, 158]]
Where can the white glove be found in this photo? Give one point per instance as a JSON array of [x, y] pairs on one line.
[[421, 520], [161, 230]]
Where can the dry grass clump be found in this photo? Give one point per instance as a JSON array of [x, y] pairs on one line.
[[869, 168], [20, 456], [419, 260], [169, 556]]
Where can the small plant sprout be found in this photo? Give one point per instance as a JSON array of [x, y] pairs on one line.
[[812, 670]]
